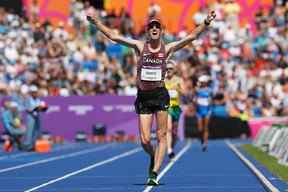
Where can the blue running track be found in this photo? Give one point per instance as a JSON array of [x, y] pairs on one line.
[[123, 168]]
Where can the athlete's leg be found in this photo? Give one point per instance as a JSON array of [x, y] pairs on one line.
[[169, 135], [206, 130], [161, 117], [174, 133], [199, 124], [200, 127], [145, 123], [175, 124]]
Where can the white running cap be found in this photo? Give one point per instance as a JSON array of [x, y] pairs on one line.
[[204, 78]]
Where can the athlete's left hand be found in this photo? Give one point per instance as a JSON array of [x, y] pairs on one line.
[[210, 17]]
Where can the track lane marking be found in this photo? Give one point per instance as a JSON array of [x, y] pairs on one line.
[[170, 164], [114, 158], [60, 157], [264, 181]]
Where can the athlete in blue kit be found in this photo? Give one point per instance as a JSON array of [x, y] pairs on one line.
[[203, 109]]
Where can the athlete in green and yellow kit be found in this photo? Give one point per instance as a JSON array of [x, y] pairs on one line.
[[173, 85]]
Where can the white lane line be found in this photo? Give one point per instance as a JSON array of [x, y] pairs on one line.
[[170, 164], [23, 154], [125, 154], [56, 158], [267, 184]]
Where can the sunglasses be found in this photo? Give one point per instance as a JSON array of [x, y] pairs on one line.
[[169, 69], [151, 25]]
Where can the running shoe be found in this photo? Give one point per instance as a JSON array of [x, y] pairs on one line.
[[171, 155], [204, 148], [152, 179]]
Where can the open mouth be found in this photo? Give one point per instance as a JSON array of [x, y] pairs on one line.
[[154, 32]]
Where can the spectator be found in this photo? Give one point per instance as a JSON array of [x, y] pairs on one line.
[[61, 62], [34, 107], [13, 125]]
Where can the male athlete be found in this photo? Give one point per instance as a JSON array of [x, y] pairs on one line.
[[203, 109], [152, 96], [173, 84]]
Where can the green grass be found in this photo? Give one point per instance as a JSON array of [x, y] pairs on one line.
[[268, 161]]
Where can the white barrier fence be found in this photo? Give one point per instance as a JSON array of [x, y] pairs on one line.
[[274, 140]]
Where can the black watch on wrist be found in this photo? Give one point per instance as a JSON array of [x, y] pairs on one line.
[[207, 23]]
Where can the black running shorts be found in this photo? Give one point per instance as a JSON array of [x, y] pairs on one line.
[[148, 102]]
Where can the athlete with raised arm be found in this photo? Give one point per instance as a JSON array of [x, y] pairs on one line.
[[152, 96]]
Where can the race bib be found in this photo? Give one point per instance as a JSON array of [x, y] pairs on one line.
[[151, 74], [203, 101], [173, 94]]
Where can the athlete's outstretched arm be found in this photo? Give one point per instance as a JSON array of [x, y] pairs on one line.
[[112, 35], [175, 46]]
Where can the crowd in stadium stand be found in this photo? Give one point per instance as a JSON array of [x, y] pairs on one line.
[[248, 72]]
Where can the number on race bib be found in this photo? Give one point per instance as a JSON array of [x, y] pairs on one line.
[[203, 101], [173, 94], [151, 74]]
